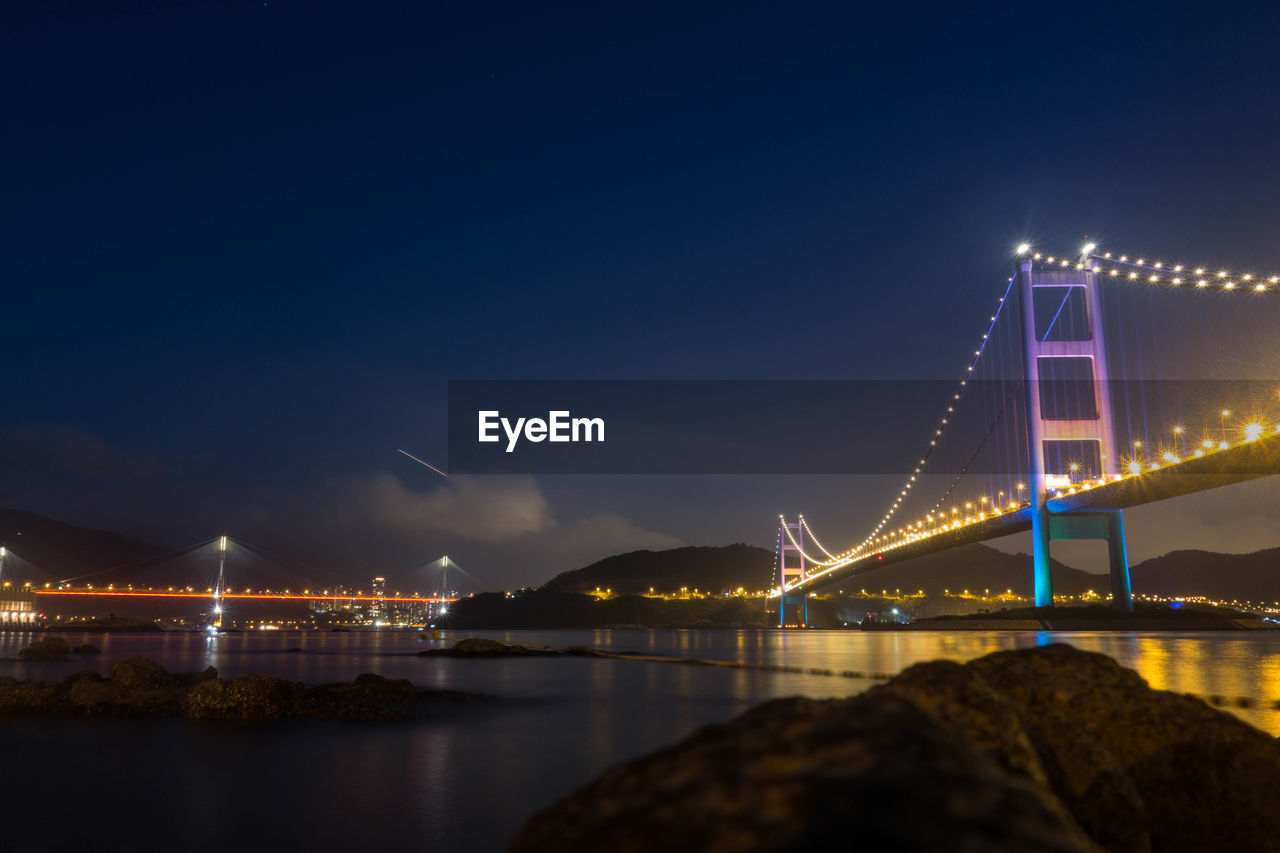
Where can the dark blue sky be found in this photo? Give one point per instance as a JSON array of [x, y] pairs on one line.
[[247, 244]]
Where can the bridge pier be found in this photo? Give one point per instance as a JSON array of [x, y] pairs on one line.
[[800, 601], [791, 568], [1118, 554], [1040, 561], [1105, 525]]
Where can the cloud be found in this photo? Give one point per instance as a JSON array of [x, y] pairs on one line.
[[481, 509], [609, 533], [509, 520], [70, 450]]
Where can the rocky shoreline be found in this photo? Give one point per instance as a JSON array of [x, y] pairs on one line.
[[1096, 617], [1045, 749], [982, 623], [143, 688]]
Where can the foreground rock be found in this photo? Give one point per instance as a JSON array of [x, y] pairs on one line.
[[1047, 749], [142, 687]]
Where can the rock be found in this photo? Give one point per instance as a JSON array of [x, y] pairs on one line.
[[1039, 749], [795, 774], [141, 672], [191, 679], [1204, 779], [143, 687], [370, 697], [1107, 804], [82, 675], [86, 649], [255, 697], [479, 647], [29, 697], [137, 687], [46, 648], [249, 697], [381, 687]]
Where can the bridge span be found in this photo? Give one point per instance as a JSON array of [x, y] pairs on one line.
[[1061, 450]]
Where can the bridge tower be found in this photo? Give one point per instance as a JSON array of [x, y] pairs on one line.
[[218, 585], [1070, 428], [791, 568]]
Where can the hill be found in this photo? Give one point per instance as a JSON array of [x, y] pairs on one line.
[[726, 568], [43, 550], [1222, 577], [713, 569], [974, 567]]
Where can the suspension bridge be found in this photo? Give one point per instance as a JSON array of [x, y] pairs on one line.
[[1102, 382]]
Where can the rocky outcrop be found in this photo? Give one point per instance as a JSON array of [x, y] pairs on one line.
[[1046, 749], [479, 647], [142, 687], [46, 648], [256, 697]]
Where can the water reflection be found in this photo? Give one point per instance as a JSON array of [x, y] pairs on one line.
[[470, 774]]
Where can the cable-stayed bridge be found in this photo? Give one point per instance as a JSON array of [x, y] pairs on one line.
[[1101, 382], [218, 573]]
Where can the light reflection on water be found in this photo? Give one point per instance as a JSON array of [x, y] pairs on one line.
[[467, 777]]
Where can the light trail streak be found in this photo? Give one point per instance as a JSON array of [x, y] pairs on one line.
[[423, 461]]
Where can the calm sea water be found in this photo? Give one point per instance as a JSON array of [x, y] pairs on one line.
[[468, 776]]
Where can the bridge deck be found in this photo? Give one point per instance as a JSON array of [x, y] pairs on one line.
[[1249, 461]]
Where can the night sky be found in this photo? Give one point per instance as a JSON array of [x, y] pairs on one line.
[[247, 244]]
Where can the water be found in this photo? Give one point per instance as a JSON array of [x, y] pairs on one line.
[[467, 777]]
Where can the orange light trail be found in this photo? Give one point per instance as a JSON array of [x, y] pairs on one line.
[[263, 595]]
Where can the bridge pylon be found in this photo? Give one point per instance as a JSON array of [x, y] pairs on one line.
[[1070, 427], [219, 585], [791, 568]]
